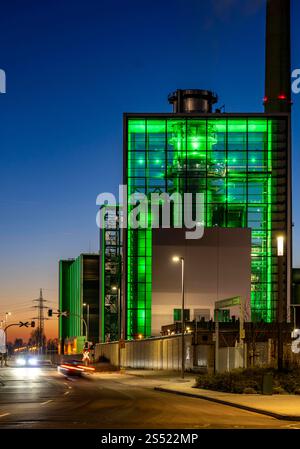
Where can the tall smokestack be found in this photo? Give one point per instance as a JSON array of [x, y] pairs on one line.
[[278, 57]]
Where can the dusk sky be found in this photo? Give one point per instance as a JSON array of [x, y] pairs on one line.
[[72, 69]]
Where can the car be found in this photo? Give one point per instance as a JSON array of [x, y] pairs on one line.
[[74, 368], [25, 359]]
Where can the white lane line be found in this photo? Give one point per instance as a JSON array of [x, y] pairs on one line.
[[47, 402], [4, 414]]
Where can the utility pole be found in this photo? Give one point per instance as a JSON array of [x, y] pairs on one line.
[[181, 259], [40, 318]]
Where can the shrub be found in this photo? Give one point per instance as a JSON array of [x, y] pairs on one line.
[[234, 382], [249, 390], [284, 382], [279, 390], [103, 359]]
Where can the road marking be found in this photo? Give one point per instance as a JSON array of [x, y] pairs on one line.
[[47, 402], [201, 426], [67, 392], [4, 414]]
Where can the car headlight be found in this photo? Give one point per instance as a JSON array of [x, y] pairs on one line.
[[33, 361], [21, 361]]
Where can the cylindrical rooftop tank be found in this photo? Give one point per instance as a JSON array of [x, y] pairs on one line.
[[192, 100]]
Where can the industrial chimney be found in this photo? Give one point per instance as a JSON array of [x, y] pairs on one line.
[[192, 100], [278, 57]]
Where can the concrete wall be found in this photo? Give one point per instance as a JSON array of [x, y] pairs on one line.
[[162, 353], [217, 266]]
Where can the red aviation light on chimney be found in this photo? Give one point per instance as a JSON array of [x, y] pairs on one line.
[[282, 97], [266, 99]]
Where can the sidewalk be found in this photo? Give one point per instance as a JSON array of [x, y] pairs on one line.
[[286, 407]]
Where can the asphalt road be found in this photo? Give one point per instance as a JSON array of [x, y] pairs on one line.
[[43, 398]]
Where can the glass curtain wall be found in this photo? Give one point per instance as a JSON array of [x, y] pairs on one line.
[[239, 164]]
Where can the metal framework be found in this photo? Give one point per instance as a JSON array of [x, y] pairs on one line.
[[111, 271]]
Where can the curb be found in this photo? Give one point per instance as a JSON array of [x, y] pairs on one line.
[[231, 404]]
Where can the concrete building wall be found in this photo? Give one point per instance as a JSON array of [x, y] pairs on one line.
[[218, 266]]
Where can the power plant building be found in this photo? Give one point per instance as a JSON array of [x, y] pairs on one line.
[[79, 297], [240, 164]]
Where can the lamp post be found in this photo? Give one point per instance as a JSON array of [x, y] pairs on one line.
[[7, 314], [178, 259], [120, 332], [88, 319], [120, 327], [280, 259]]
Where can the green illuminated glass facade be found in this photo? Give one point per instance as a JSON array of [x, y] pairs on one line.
[[70, 298], [79, 284], [240, 165]]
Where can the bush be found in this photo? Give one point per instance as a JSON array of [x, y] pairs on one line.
[[103, 359], [234, 382], [279, 390], [239, 380], [289, 380], [249, 390]]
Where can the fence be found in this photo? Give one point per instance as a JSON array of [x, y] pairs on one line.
[[164, 353], [161, 353]]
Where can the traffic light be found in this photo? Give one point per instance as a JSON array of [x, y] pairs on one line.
[[32, 324], [50, 312]]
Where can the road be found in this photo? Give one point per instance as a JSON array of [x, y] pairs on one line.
[[43, 398]]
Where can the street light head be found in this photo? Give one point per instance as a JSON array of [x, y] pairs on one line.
[[114, 288], [280, 245], [84, 304], [176, 259]]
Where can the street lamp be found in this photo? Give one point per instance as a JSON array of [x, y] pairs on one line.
[[177, 259], [120, 332], [120, 326], [280, 260], [88, 319]]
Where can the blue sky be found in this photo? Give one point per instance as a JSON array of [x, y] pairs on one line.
[[72, 69]]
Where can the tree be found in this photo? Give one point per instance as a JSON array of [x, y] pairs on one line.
[[52, 344], [18, 343], [36, 339]]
